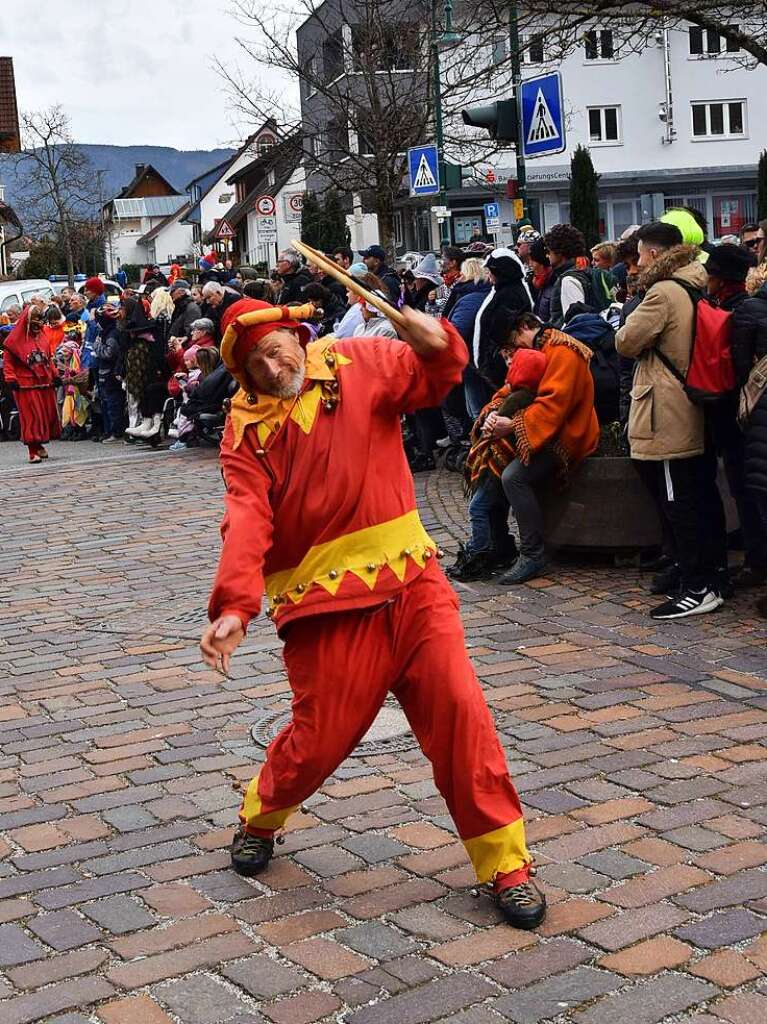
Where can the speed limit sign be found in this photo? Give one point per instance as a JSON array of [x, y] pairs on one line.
[[266, 206]]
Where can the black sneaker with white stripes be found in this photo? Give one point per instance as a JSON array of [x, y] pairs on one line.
[[688, 602]]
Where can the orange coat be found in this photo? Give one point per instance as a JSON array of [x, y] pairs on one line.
[[53, 336], [562, 415]]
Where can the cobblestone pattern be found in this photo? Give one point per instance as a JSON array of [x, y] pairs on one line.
[[639, 750]]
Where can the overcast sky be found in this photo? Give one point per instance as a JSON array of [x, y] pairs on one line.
[[129, 72]]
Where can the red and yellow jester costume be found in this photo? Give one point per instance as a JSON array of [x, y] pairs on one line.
[[321, 516]]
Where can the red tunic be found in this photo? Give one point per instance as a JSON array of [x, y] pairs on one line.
[[27, 364], [326, 519]]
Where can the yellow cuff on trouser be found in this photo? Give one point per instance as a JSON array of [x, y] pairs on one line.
[[499, 852], [252, 813]]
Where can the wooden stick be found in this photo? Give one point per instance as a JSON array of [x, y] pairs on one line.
[[348, 281]]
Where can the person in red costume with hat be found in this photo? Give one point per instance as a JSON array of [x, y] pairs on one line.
[[321, 518], [29, 374]]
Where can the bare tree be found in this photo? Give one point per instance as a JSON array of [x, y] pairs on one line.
[[56, 179], [367, 77]]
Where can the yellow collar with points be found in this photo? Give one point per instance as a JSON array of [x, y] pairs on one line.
[[269, 414]]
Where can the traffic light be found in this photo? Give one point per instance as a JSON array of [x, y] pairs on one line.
[[499, 118]]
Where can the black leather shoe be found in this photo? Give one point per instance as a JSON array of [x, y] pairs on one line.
[[250, 854], [468, 567], [667, 581], [523, 906], [749, 576]]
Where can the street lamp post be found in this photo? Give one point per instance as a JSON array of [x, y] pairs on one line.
[[440, 41], [516, 74]]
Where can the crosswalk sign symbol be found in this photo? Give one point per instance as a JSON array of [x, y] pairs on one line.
[[543, 125], [423, 164], [424, 178]]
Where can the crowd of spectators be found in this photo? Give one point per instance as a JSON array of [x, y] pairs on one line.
[[565, 347]]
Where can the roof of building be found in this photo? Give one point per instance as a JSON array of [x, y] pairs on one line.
[[150, 206], [237, 213], [9, 111], [164, 223], [211, 170], [142, 171]]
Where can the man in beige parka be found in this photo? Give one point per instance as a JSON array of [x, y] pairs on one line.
[[665, 428]]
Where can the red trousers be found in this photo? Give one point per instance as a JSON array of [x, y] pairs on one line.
[[341, 667]]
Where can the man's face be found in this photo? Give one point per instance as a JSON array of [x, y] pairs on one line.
[[556, 259], [276, 365], [214, 299], [77, 302], [523, 249], [751, 240], [762, 250], [197, 336], [284, 267], [341, 260], [66, 294], [648, 254], [372, 263]]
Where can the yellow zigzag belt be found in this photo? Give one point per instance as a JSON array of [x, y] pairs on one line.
[[363, 552]]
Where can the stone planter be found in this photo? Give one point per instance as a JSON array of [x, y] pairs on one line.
[[607, 507]]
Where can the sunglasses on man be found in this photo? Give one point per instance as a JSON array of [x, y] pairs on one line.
[[753, 243]]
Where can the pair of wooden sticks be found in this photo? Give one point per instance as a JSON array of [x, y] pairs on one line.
[[332, 268]]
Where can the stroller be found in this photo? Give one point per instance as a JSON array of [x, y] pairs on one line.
[[205, 407]]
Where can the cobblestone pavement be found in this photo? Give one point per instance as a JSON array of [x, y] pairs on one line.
[[640, 751]]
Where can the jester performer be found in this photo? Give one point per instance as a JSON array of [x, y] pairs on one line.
[[321, 517], [30, 376]]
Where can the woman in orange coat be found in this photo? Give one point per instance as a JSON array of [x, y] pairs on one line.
[[551, 436]]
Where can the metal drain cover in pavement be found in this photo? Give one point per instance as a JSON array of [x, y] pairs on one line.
[[389, 733]]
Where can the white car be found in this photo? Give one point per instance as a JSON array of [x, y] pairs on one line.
[[18, 293]]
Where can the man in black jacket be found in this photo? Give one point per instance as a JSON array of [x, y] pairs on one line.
[[294, 277], [374, 259], [186, 310]]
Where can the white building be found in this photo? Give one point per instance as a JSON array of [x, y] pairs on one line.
[[130, 231], [678, 124]]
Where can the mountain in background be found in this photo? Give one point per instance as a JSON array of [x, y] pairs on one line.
[[119, 164]]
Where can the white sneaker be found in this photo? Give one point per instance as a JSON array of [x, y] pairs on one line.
[[172, 432], [444, 442], [689, 602]]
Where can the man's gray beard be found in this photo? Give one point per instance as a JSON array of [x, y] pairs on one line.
[[293, 387]]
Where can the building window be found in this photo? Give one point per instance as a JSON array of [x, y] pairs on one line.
[[264, 144], [333, 57], [311, 76], [531, 49], [721, 120], [707, 43], [605, 125], [732, 212], [364, 145], [500, 49], [399, 237], [599, 44]]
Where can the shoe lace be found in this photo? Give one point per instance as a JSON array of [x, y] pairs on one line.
[[255, 844], [524, 895]]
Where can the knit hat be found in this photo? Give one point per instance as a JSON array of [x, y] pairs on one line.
[[526, 369], [538, 253], [692, 232], [95, 284], [505, 264], [358, 270], [428, 269], [247, 322], [730, 262], [180, 283]]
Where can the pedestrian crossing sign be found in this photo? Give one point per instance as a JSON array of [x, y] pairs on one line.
[[543, 125], [423, 164]]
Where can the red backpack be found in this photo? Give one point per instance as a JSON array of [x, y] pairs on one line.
[[710, 374]]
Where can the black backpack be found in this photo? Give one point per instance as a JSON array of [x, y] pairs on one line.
[[598, 335]]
